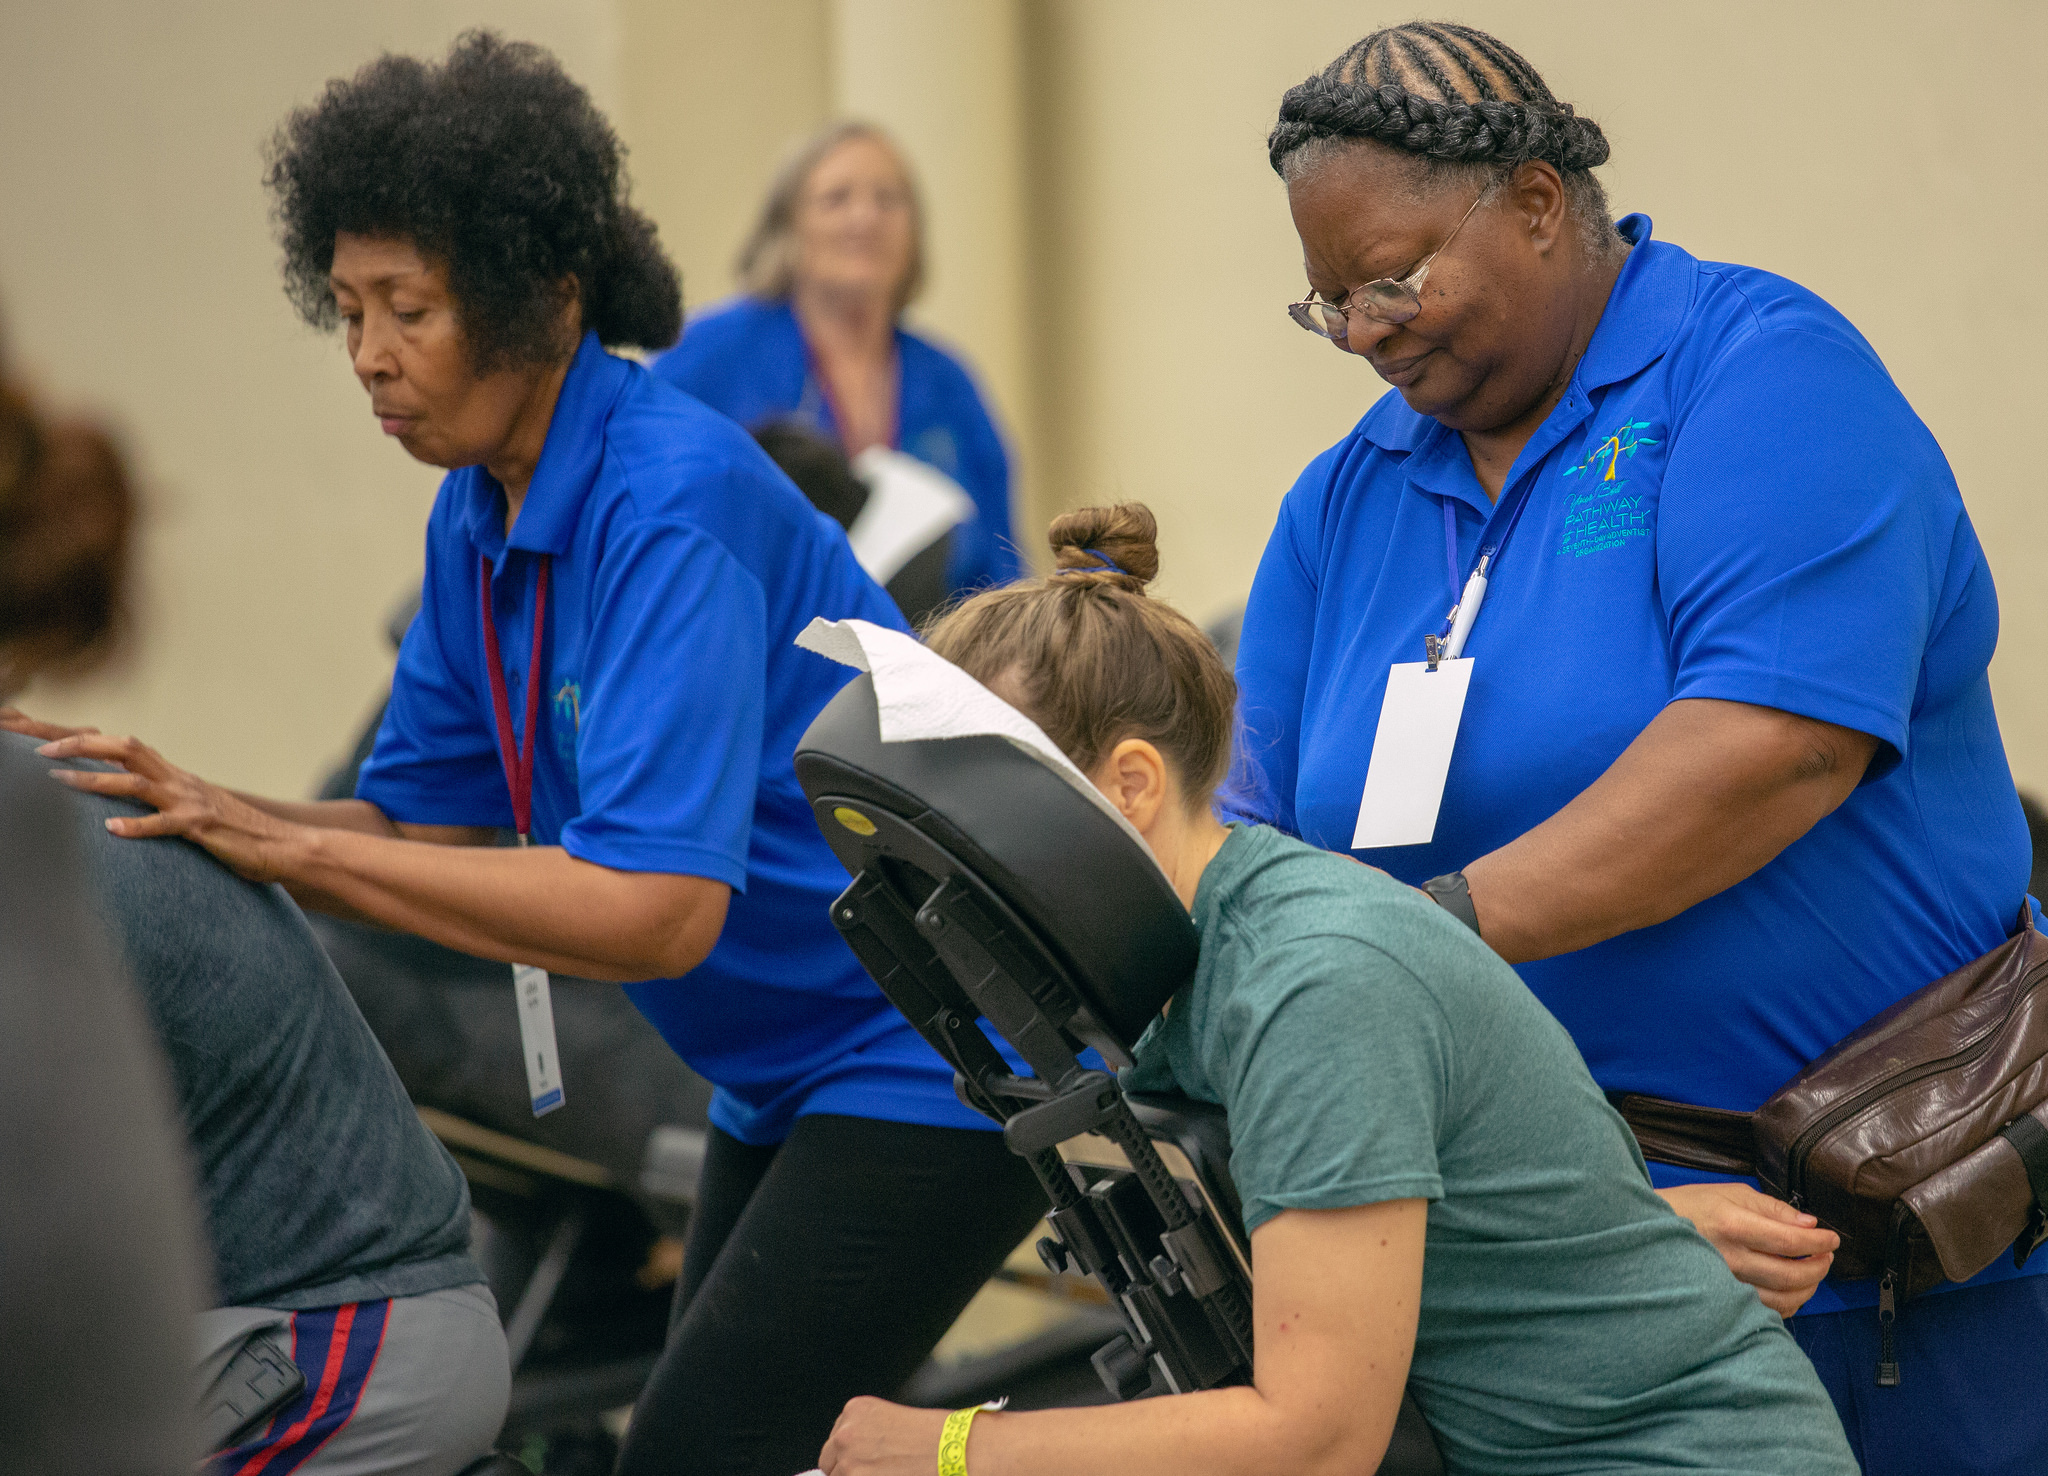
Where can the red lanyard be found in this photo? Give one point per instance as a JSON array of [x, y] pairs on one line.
[[839, 423], [518, 771]]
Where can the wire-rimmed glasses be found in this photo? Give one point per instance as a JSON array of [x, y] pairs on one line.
[[1384, 300]]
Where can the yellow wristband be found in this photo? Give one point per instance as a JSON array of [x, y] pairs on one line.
[[953, 1441]]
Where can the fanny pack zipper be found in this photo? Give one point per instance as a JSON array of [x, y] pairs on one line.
[[1896, 1249]]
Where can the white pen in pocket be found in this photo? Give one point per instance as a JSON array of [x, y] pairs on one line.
[[1467, 611]]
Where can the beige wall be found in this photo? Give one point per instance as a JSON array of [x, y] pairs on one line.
[[1109, 247], [948, 80], [714, 95], [138, 279]]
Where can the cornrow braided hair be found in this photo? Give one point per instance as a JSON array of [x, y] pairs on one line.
[[1442, 92]]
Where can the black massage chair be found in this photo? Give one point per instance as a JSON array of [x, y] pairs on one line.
[[986, 888]]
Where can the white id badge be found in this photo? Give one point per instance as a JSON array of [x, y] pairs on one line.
[[1411, 754], [537, 1037]]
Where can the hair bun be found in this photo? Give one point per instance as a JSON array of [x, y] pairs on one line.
[[1126, 535]]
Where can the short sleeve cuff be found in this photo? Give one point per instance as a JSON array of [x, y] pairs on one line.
[[1794, 693], [1349, 1194], [435, 804], [647, 853]]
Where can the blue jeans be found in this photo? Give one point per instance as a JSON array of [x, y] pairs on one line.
[[1972, 1396]]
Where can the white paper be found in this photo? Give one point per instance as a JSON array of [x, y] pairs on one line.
[[537, 1038], [1411, 754], [910, 506], [922, 695]]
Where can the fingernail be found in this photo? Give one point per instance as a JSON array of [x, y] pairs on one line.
[[112, 826], [48, 750]]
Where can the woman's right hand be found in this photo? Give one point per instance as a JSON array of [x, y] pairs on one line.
[[1769, 1245], [249, 841], [14, 720]]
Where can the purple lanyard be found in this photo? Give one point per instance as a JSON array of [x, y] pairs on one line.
[[1489, 557]]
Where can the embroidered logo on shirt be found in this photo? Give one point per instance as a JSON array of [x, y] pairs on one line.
[[568, 724], [569, 704], [1604, 513]]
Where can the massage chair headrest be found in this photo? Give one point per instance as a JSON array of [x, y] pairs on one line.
[[1087, 893]]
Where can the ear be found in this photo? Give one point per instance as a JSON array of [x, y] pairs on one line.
[[1134, 779], [1535, 196]]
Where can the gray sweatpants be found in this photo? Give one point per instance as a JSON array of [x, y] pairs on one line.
[[412, 1385]]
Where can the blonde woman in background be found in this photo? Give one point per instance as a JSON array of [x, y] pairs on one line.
[[816, 334]]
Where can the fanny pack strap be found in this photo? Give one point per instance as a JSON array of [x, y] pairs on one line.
[[2030, 1140], [1711, 1139]]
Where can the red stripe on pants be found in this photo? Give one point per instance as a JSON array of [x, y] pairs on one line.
[[337, 1345]]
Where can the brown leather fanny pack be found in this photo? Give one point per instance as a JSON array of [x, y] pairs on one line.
[[1921, 1139]]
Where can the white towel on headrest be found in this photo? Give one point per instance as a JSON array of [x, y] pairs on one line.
[[920, 694]]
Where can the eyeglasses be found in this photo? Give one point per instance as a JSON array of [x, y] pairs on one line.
[[1382, 301]]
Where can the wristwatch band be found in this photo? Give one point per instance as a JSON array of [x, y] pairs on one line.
[[1451, 893]]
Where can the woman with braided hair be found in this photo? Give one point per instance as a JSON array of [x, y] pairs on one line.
[[1717, 765]]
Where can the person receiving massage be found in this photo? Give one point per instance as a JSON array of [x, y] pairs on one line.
[[603, 660], [102, 1266], [1437, 1194], [335, 1229], [1728, 782]]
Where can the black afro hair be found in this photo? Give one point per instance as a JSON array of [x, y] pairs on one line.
[[495, 163]]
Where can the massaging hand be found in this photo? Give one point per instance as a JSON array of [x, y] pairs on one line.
[[235, 831], [1766, 1243], [876, 1438], [14, 720]]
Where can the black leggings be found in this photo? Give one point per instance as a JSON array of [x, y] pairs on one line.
[[817, 1269]]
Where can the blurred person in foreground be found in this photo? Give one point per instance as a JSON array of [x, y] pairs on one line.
[[338, 1229], [816, 334], [604, 662], [100, 1265], [339, 1226]]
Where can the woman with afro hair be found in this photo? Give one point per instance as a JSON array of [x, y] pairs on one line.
[[603, 661]]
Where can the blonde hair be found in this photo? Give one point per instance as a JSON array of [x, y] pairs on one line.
[[1093, 660], [768, 261]]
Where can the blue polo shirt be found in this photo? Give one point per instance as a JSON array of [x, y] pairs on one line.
[[1732, 501], [684, 564], [746, 358]]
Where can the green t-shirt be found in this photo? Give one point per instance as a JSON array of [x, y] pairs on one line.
[[1367, 1047]]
